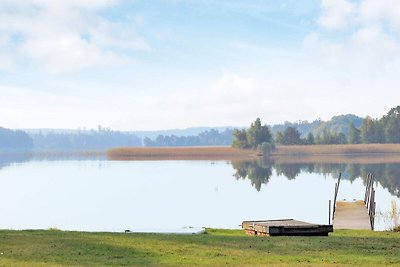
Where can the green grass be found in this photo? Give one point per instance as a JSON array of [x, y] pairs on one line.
[[216, 248]]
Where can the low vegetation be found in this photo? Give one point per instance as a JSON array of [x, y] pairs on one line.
[[177, 153], [338, 149], [216, 248], [357, 153]]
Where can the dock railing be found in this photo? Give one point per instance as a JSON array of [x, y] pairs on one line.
[[335, 196], [369, 199]]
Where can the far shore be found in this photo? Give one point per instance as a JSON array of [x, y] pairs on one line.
[[359, 153], [181, 153]]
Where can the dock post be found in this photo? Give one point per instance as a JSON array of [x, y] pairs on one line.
[[366, 188], [329, 221], [335, 196]]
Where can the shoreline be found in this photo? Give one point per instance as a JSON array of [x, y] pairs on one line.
[[181, 153], [360, 153]]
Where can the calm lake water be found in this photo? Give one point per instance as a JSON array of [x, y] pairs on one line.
[[102, 195]]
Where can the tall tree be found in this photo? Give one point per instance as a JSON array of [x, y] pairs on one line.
[[254, 137], [372, 131], [391, 123], [310, 139], [258, 134], [240, 138], [354, 135], [291, 136]]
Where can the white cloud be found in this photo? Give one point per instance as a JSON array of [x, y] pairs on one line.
[[6, 62], [380, 11], [367, 40], [346, 14], [336, 14], [64, 36]]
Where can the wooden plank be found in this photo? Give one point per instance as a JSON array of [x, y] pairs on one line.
[[351, 215]]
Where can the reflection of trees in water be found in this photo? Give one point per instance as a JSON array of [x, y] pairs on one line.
[[8, 159], [259, 172], [292, 170], [289, 170], [388, 175]]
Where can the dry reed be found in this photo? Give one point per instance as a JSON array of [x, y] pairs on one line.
[[180, 153], [348, 149]]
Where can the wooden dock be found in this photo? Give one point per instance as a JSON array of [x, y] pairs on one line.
[[355, 214], [351, 215], [288, 227]]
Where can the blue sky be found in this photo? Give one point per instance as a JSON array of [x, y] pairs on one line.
[[160, 64]]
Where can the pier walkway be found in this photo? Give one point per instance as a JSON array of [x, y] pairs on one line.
[[351, 215], [355, 214]]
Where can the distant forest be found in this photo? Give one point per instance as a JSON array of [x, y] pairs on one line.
[[338, 130], [11, 141], [207, 138], [100, 139], [343, 129]]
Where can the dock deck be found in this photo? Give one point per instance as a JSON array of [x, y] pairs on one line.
[[351, 215], [285, 227]]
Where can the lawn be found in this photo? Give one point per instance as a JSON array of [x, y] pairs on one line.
[[216, 248]]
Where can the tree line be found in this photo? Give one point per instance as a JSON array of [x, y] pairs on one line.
[[206, 138], [14, 140], [100, 139], [365, 131]]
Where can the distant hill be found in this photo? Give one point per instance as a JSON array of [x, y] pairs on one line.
[[14, 141], [337, 124], [102, 138], [193, 131], [82, 140]]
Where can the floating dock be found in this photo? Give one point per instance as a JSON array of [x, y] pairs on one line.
[[288, 227]]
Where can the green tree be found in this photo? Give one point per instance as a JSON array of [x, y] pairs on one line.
[[310, 139], [327, 137], [258, 134], [354, 135], [240, 138], [372, 131], [254, 137], [291, 136], [279, 137], [391, 123]]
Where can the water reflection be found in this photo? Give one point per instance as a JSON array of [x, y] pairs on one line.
[[260, 171], [256, 171], [9, 159], [38, 191]]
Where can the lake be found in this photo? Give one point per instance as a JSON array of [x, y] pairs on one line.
[[95, 194]]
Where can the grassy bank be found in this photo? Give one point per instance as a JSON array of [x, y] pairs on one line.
[[216, 248], [177, 153]]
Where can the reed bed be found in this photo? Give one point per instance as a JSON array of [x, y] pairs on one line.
[[360, 153], [351, 154], [180, 153], [338, 149], [338, 158]]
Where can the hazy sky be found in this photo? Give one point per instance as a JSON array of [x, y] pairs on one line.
[[158, 64]]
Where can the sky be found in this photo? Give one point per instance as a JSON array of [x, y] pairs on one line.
[[166, 64]]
